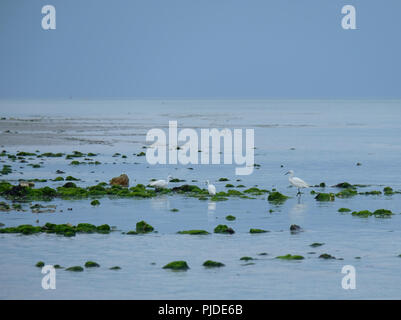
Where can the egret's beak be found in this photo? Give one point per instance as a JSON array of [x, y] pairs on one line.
[[286, 173]]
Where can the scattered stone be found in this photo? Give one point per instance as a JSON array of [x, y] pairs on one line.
[[294, 228], [122, 180], [326, 256]]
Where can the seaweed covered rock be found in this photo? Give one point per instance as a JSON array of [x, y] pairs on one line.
[[143, 227], [388, 191], [346, 193], [316, 244], [325, 197], [344, 185], [246, 258], [213, 264], [294, 228], [122, 180], [91, 264], [344, 210], [222, 228], [290, 257], [75, 269], [95, 203], [230, 218], [380, 213], [257, 231], [193, 232], [326, 256], [115, 268], [362, 213], [276, 197], [40, 264], [69, 185], [177, 265]]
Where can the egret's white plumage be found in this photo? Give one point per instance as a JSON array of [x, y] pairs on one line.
[[211, 188], [296, 182], [160, 184]]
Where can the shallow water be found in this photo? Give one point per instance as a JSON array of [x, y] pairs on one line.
[[320, 140]]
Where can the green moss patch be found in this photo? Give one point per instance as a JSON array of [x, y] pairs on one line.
[[177, 265], [193, 232], [290, 257], [257, 231], [222, 228], [213, 264]]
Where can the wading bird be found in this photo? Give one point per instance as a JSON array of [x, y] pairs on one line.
[[296, 182], [211, 188], [160, 184]]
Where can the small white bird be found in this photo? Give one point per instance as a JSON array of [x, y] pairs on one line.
[[211, 188], [160, 184], [296, 182]]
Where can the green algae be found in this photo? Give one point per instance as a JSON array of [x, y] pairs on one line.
[[58, 179], [177, 265], [143, 227], [257, 231], [246, 258], [347, 193], [230, 218], [316, 244], [6, 170], [95, 203], [256, 191], [370, 193], [40, 264], [290, 257], [277, 197], [222, 228], [71, 178], [344, 210], [223, 179], [344, 185], [75, 269], [66, 230], [379, 213], [325, 197], [326, 256], [388, 191], [174, 210], [115, 268], [213, 264], [229, 185], [194, 232], [91, 264], [4, 207], [363, 213]]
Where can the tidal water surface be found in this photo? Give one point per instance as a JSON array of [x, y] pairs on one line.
[[322, 141]]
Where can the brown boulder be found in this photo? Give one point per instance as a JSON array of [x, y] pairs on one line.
[[122, 180]]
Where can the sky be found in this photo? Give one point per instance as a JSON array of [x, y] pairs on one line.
[[207, 49]]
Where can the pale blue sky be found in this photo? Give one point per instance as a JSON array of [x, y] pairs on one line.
[[200, 49]]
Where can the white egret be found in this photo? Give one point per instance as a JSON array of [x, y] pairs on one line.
[[211, 188], [160, 184], [296, 182]]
